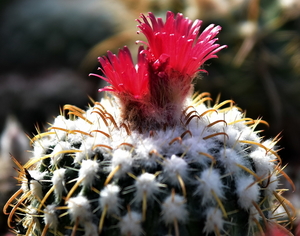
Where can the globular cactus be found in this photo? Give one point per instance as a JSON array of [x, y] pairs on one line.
[[152, 159]]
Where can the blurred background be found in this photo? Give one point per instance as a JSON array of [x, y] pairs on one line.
[[48, 48]]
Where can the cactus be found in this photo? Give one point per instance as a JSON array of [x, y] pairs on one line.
[[152, 158]]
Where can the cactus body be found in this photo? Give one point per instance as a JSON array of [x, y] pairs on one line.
[[211, 174], [152, 160]]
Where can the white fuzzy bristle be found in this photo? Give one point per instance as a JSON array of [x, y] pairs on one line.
[[147, 184], [123, 160], [130, 224], [90, 229], [88, 172], [210, 180], [58, 183], [40, 148], [264, 161], [79, 208], [230, 158], [109, 197], [214, 221], [247, 191], [86, 149], [50, 216], [174, 208], [174, 167], [273, 184], [35, 185], [63, 123], [57, 152]]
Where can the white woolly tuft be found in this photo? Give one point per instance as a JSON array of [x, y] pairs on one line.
[[88, 172], [62, 122], [194, 149], [109, 197], [273, 184], [254, 215], [233, 137], [35, 185], [130, 224], [41, 147], [264, 161], [214, 220], [247, 192], [50, 216], [229, 158], [90, 229], [36, 188], [123, 159], [79, 208], [86, 149], [210, 180], [173, 167], [146, 183], [174, 207], [58, 183], [56, 155]]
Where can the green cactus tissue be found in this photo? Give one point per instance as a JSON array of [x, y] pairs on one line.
[[152, 158]]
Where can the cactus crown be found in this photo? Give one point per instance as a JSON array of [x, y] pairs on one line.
[[152, 160]]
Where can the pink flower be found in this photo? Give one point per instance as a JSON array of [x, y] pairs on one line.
[[126, 79], [155, 89], [274, 229], [175, 53], [178, 42]]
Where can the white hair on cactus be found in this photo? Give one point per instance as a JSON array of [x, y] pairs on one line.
[[145, 183], [272, 184], [230, 158], [232, 115], [41, 146], [263, 161], [90, 229], [130, 224], [86, 149], [174, 167], [174, 208], [88, 172], [112, 106], [56, 153], [79, 208], [254, 216], [82, 124], [214, 220], [144, 149], [121, 159], [35, 185], [194, 151], [36, 188], [63, 123], [210, 181], [32, 219], [50, 216], [247, 191], [109, 197], [232, 137], [58, 183]]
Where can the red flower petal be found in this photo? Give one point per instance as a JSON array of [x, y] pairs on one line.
[[126, 78], [179, 38]]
